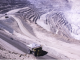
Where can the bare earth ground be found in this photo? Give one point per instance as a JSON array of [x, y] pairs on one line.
[[12, 55], [6, 54]]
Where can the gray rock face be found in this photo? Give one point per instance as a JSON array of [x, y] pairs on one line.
[[49, 5], [13, 1], [29, 14], [7, 5], [57, 21]]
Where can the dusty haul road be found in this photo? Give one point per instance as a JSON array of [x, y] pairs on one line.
[[16, 46]]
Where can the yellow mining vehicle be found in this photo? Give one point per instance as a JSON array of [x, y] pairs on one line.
[[35, 49]]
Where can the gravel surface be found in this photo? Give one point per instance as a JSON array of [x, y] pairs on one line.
[[4, 54]]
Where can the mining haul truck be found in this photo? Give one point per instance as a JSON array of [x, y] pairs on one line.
[[35, 49]]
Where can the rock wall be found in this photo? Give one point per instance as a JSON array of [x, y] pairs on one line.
[[13, 1], [58, 23]]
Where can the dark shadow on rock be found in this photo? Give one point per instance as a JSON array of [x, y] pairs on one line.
[[43, 53], [44, 56]]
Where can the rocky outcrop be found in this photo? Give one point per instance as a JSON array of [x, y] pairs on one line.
[[58, 23], [13, 1], [29, 14], [6, 5]]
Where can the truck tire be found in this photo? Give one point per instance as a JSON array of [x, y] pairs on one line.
[[29, 52], [34, 53]]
